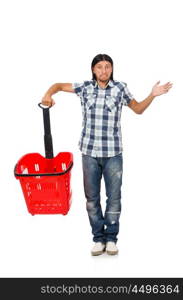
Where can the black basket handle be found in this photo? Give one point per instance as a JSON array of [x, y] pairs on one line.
[[43, 174], [44, 106], [48, 144]]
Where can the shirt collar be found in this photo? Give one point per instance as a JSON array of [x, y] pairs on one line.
[[110, 83]]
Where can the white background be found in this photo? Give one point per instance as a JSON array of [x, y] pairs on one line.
[[44, 42]]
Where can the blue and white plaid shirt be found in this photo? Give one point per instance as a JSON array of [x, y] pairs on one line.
[[101, 110]]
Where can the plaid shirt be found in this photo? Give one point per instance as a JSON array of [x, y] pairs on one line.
[[101, 110]]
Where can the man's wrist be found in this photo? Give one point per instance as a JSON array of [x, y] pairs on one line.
[[152, 95]]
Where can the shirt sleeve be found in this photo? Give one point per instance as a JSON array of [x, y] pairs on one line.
[[126, 95], [78, 88]]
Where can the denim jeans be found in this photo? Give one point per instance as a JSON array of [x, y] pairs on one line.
[[105, 226]]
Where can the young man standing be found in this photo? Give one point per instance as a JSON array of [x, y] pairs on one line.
[[102, 99]]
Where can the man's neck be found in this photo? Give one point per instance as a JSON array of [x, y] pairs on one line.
[[102, 84]]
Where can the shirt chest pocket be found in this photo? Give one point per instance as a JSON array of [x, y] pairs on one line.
[[89, 100], [112, 104]]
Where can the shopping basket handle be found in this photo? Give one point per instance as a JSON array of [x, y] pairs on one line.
[[48, 145], [17, 174], [44, 106]]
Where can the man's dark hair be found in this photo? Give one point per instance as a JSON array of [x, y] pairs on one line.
[[98, 58]]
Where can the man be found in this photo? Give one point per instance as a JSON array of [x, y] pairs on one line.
[[102, 99]]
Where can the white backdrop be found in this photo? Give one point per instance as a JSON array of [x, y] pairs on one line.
[[43, 42]]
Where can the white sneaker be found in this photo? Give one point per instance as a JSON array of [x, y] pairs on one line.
[[111, 248], [98, 249]]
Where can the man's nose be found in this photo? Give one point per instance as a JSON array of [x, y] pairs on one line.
[[103, 71]]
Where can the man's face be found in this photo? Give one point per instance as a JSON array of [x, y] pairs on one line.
[[102, 71]]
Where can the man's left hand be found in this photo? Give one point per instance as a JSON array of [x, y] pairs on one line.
[[158, 90]]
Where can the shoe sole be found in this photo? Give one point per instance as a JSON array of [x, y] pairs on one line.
[[112, 252], [97, 253]]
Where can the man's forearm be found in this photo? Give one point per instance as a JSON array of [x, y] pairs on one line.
[[55, 88], [145, 103]]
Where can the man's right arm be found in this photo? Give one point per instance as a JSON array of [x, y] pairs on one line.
[[55, 88]]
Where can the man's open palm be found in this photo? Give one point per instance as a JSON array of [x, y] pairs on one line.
[[158, 90]]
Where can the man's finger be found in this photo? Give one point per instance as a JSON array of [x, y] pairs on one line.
[[167, 84]]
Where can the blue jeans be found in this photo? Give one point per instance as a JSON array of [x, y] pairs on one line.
[[105, 227]]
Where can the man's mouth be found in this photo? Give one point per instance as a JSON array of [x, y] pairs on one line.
[[104, 76]]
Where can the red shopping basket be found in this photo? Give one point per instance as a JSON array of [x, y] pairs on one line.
[[45, 181]]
